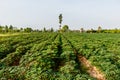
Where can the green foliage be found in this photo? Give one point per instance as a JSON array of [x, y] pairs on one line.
[[102, 50], [52, 56], [65, 28], [28, 29], [60, 19]]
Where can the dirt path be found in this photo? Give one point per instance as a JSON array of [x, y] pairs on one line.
[[92, 70]]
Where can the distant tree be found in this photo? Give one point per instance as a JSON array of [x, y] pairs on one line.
[[28, 29], [81, 30], [36, 30], [60, 20], [44, 29], [92, 30], [0, 29], [65, 28], [51, 30], [11, 27], [116, 30], [21, 29], [18, 30], [99, 29], [6, 28]]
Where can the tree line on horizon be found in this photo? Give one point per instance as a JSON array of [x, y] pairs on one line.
[[64, 28], [12, 29], [100, 30]]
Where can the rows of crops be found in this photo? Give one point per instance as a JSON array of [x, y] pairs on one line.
[[39, 56], [102, 50], [53, 56]]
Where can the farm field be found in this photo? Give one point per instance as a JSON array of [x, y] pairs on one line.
[[60, 56]]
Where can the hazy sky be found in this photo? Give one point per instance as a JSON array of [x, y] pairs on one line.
[[76, 13]]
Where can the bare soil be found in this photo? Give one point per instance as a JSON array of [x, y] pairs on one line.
[[92, 70]]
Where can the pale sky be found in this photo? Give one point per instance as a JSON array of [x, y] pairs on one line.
[[38, 14]]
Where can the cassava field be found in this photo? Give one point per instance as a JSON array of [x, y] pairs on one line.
[[60, 56]]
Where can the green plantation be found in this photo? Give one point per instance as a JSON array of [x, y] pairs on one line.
[[55, 56]]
